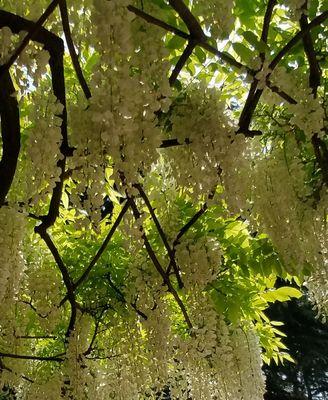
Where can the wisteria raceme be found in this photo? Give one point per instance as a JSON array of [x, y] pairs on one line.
[[12, 259], [218, 17]]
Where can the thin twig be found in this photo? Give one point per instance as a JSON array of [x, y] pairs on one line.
[[155, 21], [182, 61], [34, 358], [29, 303], [71, 48], [315, 72], [189, 224], [173, 143], [254, 94], [122, 297], [267, 20], [102, 248], [32, 337], [95, 333], [162, 234], [159, 268]]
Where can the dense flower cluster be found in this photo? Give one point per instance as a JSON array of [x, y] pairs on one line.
[[217, 17], [11, 257]]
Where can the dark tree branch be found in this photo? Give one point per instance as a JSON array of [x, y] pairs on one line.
[[93, 339], [254, 94], [71, 48], [267, 20], [139, 312], [36, 337], [182, 61], [189, 224], [280, 93], [246, 115], [173, 143], [29, 303], [248, 111], [55, 47], [315, 72], [252, 101], [159, 268], [314, 82], [189, 19], [102, 248], [10, 133], [227, 58], [32, 34], [95, 333], [321, 155], [170, 252], [56, 63], [185, 229], [155, 21], [34, 358]]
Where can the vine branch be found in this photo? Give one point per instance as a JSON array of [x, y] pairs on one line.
[[71, 48], [10, 133], [182, 61], [162, 234], [159, 268], [34, 358]]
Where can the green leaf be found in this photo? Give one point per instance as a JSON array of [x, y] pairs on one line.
[[290, 292], [219, 301], [234, 312], [161, 4], [200, 54], [175, 43], [277, 323], [288, 357], [65, 200], [284, 293], [243, 52], [256, 42]]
